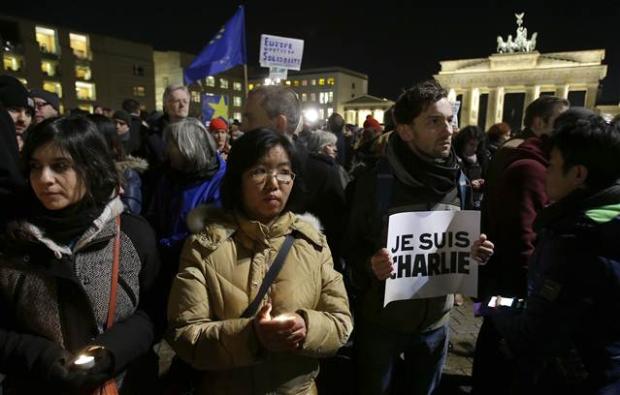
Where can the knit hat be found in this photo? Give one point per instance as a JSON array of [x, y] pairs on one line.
[[13, 93], [51, 98], [122, 116], [218, 124], [371, 123]]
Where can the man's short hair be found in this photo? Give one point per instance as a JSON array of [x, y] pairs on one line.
[[590, 141], [417, 99], [132, 106], [543, 107], [279, 100], [171, 88]]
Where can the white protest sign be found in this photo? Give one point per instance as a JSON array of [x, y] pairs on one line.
[[431, 254], [277, 73], [281, 52]]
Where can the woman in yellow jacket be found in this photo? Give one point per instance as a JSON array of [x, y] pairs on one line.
[[305, 313]]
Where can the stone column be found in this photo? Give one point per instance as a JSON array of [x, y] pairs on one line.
[[562, 91], [495, 107], [591, 93], [474, 106], [452, 95]]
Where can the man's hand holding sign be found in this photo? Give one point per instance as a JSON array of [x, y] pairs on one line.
[[430, 254]]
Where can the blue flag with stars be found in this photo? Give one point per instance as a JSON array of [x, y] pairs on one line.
[[214, 107], [226, 50]]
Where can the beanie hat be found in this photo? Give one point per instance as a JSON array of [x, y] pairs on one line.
[[51, 98], [371, 123], [122, 116], [13, 93], [218, 124]]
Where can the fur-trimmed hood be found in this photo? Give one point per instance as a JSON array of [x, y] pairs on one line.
[[132, 162]]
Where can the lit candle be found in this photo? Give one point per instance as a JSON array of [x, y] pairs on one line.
[[84, 361]]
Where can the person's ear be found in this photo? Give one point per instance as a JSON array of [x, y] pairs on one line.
[[580, 174], [405, 131]]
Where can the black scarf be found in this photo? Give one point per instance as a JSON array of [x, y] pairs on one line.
[[65, 225], [438, 176]]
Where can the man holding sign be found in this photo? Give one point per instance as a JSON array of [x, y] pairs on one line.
[[420, 173]]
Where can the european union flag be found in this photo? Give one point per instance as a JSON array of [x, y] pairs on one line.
[[224, 51], [214, 107]]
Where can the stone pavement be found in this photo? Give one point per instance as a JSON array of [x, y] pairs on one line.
[[464, 328]]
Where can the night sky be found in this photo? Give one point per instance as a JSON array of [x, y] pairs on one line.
[[395, 43]]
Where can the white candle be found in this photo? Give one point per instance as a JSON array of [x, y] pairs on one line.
[[84, 361]]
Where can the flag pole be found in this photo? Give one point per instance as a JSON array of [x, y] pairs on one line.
[[245, 79]]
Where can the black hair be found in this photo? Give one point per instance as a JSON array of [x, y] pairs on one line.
[[132, 106], [92, 160], [416, 99], [245, 153], [543, 107], [591, 142], [106, 127]]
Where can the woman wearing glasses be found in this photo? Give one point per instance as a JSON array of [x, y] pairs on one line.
[[304, 314]]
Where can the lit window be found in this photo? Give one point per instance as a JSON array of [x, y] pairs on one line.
[[296, 83], [49, 68], [287, 83], [223, 83], [330, 111], [237, 86], [304, 97], [304, 83], [12, 62], [237, 101], [83, 72], [53, 87], [47, 40], [331, 81], [85, 91], [139, 91], [322, 98], [210, 81], [321, 113], [86, 107], [330, 98], [250, 86], [237, 115], [80, 45], [195, 96], [313, 82], [313, 97], [321, 81]]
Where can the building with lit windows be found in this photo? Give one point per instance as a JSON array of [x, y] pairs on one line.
[[82, 68], [229, 85], [325, 90]]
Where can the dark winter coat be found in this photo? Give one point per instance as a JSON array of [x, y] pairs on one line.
[[54, 299]]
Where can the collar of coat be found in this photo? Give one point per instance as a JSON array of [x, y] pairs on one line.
[[211, 226], [101, 228]]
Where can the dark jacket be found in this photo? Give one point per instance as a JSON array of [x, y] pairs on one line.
[[514, 195], [12, 182], [573, 299], [325, 199], [367, 233], [54, 300]]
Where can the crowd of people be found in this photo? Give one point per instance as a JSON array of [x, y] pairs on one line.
[[256, 248]]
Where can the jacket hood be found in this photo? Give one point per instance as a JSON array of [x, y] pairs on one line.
[[536, 148], [212, 226], [26, 230], [131, 162]]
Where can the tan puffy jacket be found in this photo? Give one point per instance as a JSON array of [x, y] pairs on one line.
[[221, 270]]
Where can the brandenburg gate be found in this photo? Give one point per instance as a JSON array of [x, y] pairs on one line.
[[511, 79]]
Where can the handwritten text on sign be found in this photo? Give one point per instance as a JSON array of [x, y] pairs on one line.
[[431, 254], [281, 52]]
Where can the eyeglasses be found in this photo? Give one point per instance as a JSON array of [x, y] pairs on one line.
[[282, 176], [40, 105]]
